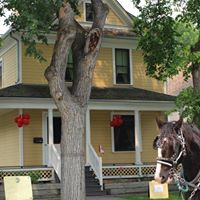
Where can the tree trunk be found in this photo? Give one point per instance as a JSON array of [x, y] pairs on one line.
[[72, 104], [73, 154], [196, 77]]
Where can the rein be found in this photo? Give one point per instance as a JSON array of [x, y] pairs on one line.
[[172, 162]]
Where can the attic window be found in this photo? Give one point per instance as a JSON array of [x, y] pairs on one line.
[[89, 14]]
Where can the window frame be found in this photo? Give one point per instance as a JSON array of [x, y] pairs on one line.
[[84, 8], [130, 67], [112, 131]]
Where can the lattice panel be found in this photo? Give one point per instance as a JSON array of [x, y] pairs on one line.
[[41, 175], [120, 171], [148, 171]]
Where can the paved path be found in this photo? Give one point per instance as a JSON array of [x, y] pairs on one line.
[[107, 197]]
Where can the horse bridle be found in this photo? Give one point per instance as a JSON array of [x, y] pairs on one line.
[[173, 162], [180, 150]]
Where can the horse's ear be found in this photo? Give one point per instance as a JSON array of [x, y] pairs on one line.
[[178, 123], [159, 123]]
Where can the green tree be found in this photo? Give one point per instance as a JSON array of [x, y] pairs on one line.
[[35, 19], [170, 44]]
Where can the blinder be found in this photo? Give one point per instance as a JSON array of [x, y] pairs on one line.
[[179, 150]]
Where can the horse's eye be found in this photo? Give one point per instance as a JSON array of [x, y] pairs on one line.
[[156, 142]]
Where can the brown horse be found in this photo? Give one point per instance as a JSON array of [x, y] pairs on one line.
[[179, 143]]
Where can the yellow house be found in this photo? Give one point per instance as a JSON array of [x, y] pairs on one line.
[[120, 120]]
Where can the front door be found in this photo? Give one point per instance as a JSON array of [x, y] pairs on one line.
[[56, 135]]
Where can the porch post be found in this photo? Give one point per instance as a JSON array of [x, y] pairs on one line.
[[21, 143], [50, 128], [88, 135], [138, 140]]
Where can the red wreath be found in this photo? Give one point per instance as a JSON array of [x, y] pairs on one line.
[[22, 120], [116, 121]]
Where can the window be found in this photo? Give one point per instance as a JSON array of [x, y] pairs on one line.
[[124, 135], [69, 70], [89, 14], [1, 70], [122, 66], [56, 130]]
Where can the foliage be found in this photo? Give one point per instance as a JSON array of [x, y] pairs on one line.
[[188, 104], [166, 42], [34, 19]]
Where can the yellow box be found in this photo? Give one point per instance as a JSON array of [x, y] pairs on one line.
[[158, 191], [18, 188]]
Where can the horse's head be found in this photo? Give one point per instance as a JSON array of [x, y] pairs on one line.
[[169, 147]]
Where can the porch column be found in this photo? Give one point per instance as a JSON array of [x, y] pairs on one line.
[[138, 138], [50, 128], [21, 143], [88, 134]]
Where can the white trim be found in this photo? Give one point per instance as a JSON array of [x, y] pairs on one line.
[[130, 66], [50, 128], [21, 142], [88, 135], [2, 69], [137, 138], [130, 105], [25, 103], [45, 139], [10, 45], [112, 131], [45, 135]]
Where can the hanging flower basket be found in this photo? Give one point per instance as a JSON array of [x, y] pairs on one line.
[[117, 121], [22, 120]]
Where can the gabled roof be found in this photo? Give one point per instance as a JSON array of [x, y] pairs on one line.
[[42, 91]]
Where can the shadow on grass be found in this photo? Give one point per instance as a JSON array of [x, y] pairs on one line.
[[172, 196]]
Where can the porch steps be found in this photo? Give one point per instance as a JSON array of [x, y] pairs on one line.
[[92, 184], [130, 187]]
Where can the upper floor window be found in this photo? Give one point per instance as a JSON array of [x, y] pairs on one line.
[[89, 14], [122, 66], [124, 135], [69, 70], [1, 71]]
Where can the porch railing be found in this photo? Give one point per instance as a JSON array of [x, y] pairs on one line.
[[56, 159], [96, 164]]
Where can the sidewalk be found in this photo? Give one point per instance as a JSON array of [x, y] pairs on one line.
[[106, 197]]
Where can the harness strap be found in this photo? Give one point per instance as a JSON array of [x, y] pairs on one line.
[[165, 163]]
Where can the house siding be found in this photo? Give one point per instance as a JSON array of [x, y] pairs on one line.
[[33, 152], [33, 70], [101, 135], [9, 67], [149, 131], [140, 79], [9, 142]]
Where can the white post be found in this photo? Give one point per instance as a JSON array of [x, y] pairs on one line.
[[21, 143], [138, 141], [50, 128], [88, 135]]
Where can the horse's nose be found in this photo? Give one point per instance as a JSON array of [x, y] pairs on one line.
[[157, 178]]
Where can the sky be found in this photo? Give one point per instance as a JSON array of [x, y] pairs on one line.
[[127, 4]]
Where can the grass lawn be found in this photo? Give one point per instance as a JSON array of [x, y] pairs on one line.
[[172, 196]]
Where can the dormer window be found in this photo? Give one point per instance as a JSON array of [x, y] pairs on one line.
[[69, 70], [89, 14], [122, 66]]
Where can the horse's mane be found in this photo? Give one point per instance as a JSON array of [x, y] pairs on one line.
[[192, 136]]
